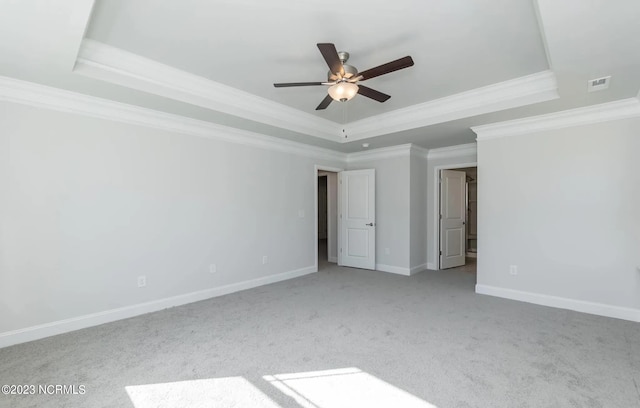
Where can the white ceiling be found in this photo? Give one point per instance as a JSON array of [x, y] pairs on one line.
[[217, 61], [456, 45]]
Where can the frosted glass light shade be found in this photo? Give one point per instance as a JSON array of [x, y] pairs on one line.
[[343, 91]]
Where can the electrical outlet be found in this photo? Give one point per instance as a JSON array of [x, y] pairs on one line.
[[513, 269], [387, 251], [142, 281], [213, 268], [265, 260]]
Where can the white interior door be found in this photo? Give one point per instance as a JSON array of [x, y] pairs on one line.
[[357, 238], [452, 218]]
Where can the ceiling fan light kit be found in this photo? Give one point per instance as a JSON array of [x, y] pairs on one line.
[[343, 91], [343, 79]]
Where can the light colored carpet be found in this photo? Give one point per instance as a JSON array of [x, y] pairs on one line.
[[378, 339]]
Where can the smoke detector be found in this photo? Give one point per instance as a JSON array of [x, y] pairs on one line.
[[598, 84]]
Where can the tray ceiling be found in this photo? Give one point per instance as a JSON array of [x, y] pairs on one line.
[[476, 62]]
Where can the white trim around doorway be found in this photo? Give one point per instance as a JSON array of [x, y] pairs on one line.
[[317, 168], [436, 204]]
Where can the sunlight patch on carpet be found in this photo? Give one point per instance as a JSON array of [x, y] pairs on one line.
[[343, 388], [214, 392]]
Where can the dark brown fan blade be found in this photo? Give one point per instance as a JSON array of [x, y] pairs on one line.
[[401, 63], [325, 102], [372, 93], [284, 85], [330, 55]]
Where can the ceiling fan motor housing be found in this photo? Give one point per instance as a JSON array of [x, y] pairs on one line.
[[349, 70]]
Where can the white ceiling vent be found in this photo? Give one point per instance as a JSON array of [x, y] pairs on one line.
[[598, 84]]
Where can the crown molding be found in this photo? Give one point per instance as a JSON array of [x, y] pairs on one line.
[[526, 90], [107, 63], [420, 152], [104, 62], [41, 96], [403, 150], [621, 109], [469, 149]]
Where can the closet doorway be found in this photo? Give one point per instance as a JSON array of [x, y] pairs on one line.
[[458, 218]]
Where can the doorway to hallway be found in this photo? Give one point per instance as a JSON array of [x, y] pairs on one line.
[[326, 216]]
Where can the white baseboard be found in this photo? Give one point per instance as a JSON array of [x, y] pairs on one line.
[[472, 254], [432, 266], [75, 323], [419, 268], [599, 309], [333, 259], [393, 269]]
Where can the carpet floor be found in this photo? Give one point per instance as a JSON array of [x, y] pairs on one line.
[[340, 337]]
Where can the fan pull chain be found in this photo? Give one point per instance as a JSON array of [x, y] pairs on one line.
[[344, 119]]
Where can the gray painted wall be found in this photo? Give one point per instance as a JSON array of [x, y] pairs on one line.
[[563, 206], [419, 216], [88, 205]]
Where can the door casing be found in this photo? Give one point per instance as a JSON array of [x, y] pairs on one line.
[[316, 169], [435, 215]]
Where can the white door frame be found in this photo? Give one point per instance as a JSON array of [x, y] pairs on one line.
[[317, 168], [436, 204]]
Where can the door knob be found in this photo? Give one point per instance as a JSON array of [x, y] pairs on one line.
[[369, 224]]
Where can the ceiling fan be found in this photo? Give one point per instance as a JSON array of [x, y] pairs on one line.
[[343, 80]]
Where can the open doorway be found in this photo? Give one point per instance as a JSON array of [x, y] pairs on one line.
[[326, 216], [458, 218], [323, 220], [471, 237]]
